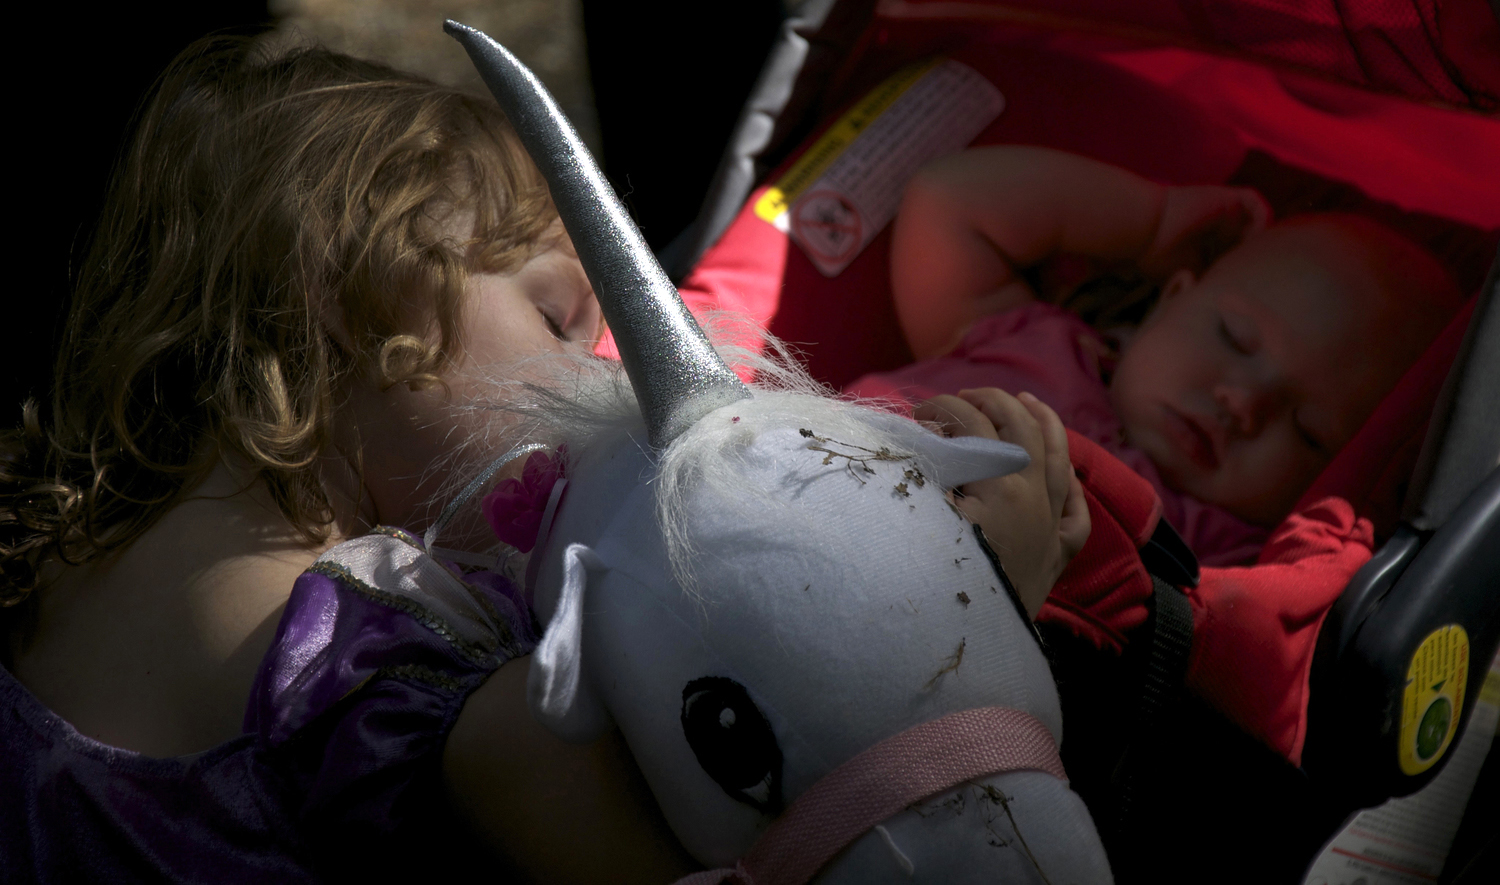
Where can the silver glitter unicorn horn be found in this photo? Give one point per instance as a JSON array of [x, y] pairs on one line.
[[677, 376]]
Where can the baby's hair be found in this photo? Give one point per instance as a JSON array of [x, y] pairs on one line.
[[282, 219], [1123, 297], [1111, 300]]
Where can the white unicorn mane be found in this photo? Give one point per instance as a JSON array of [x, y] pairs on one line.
[[586, 400]]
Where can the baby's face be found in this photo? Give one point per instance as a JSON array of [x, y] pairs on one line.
[[1242, 385]]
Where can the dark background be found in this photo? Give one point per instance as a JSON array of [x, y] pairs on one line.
[[73, 108], [669, 78]]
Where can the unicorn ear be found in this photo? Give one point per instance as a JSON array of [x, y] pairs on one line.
[[954, 460], [556, 689]]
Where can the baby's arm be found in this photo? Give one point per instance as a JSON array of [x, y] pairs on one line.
[[1037, 519], [970, 221]]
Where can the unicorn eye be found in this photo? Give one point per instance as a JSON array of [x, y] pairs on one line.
[[733, 741]]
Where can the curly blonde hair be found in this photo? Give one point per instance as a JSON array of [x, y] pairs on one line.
[[266, 197]]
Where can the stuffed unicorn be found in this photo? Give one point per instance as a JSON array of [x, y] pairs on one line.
[[818, 663]]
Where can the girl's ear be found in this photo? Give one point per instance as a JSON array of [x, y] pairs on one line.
[[331, 317]]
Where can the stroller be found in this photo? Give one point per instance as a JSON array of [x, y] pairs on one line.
[[1386, 110]]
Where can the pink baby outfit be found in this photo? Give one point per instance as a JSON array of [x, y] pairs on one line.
[[1053, 354]]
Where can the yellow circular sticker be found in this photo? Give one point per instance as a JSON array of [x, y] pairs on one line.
[[1433, 698]]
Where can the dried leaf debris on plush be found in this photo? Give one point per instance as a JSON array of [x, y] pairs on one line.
[[816, 661]]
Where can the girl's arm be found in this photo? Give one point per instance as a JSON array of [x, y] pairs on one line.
[[970, 221], [553, 811]]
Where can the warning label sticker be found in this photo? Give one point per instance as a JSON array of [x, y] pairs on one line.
[[844, 189], [827, 225]]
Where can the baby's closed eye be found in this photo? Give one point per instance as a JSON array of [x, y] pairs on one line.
[[1309, 434], [1237, 332]]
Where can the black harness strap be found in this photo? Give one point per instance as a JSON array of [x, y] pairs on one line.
[[1166, 664]]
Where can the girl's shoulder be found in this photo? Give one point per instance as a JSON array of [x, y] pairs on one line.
[[379, 610], [374, 656], [377, 652]]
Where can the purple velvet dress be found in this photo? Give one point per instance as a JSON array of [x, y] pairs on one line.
[[337, 772]]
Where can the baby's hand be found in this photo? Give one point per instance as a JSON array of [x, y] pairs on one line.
[[1037, 519], [1200, 223]]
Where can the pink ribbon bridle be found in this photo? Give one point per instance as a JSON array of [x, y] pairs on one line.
[[878, 783]]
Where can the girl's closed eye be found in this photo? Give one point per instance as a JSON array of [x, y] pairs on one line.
[[575, 315], [570, 312], [553, 326], [578, 321]]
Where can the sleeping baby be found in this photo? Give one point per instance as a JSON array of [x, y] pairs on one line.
[[1264, 348]]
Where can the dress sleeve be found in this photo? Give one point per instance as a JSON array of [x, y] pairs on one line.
[[378, 649]]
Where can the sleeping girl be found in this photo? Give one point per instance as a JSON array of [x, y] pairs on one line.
[[1265, 350], [302, 261], [223, 654]]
